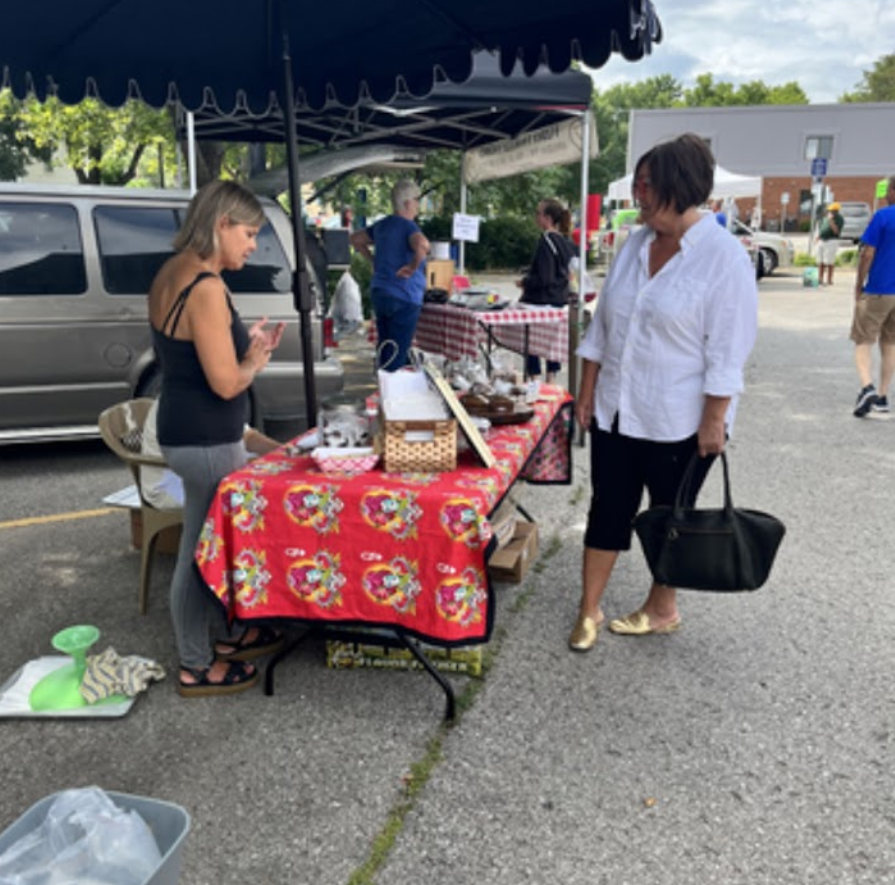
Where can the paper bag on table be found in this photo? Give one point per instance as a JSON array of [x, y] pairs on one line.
[[407, 396]]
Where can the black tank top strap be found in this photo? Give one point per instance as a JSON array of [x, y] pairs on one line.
[[180, 302]]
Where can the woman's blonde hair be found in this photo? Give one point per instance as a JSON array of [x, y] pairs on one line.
[[213, 201]]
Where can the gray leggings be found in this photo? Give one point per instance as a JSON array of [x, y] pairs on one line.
[[193, 609]]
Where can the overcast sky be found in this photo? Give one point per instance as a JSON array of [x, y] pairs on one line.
[[824, 45]]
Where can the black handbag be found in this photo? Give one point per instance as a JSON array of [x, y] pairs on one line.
[[724, 550]]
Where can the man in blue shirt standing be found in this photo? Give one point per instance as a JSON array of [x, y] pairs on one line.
[[874, 317], [399, 281]]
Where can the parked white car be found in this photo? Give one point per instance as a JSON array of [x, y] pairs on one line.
[[773, 250]]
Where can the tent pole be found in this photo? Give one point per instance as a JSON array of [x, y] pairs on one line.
[[463, 196], [576, 308], [191, 149], [301, 289]]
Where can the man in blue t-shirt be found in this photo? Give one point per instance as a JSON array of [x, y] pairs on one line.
[[399, 281], [874, 317]]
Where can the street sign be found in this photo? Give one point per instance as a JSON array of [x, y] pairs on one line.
[[784, 198], [818, 167]]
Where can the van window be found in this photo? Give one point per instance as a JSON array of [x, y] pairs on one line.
[[134, 242], [40, 250], [266, 270]]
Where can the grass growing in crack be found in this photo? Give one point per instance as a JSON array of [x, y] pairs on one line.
[[578, 494], [413, 782], [422, 770], [554, 545]]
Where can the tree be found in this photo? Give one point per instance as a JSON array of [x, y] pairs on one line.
[[708, 93], [515, 196], [101, 144], [17, 149], [878, 84], [613, 110]]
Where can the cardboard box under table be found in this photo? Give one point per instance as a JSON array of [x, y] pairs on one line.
[[511, 562]]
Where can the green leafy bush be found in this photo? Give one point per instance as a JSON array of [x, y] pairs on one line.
[[847, 258], [803, 259], [438, 227], [504, 243]]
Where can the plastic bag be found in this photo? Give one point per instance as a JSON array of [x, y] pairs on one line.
[[85, 838], [346, 309]]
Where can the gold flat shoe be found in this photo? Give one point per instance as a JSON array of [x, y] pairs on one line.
[[584, 634], [637, 624]]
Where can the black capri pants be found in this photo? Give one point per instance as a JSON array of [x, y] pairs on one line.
[[621, 467]]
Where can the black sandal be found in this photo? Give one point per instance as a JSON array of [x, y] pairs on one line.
[[239, 677], [266, 642]]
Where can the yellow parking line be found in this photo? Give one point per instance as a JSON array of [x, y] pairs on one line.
[[58, 517]]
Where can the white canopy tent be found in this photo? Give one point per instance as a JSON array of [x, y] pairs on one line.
[[727, 184]]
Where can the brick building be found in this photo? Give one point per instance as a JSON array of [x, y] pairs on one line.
[[780, 143]]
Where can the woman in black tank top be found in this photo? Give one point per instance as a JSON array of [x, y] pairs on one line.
[[209, 359]]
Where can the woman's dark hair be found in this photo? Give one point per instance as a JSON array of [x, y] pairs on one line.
[[681, 171], [558, 214]]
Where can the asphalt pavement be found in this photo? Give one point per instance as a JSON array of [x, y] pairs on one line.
[[754, 746]]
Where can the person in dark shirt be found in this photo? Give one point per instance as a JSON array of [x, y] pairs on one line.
[[209, 360], [547, 280], [828, 243]]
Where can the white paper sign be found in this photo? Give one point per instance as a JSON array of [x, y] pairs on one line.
[[466, 227]]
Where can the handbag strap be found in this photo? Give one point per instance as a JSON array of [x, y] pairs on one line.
[[684, 491]]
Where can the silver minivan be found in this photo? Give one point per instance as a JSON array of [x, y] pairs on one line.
[[75, 266]]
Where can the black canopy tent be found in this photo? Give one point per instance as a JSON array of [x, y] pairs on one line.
[[239, 54], [485, 107]]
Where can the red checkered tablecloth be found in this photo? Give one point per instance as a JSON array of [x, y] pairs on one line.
[[456, 332]]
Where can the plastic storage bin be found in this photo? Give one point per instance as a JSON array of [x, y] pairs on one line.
[[169, 824]]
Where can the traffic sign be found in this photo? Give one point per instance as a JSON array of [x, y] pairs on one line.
[[818, 167]]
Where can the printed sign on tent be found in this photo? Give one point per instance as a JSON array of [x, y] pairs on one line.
[[548, 146]]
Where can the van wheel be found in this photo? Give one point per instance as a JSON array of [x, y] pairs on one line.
[[151, 385]]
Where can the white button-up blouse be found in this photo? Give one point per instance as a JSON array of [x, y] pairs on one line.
[[665, 343]]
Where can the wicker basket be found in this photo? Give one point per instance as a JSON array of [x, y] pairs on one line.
[[404, 452]]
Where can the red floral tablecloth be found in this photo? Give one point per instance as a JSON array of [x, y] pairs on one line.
[[284, 540]]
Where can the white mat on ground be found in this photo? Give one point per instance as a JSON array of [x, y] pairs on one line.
[[16, 691]]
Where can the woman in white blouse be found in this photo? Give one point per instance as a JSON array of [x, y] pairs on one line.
[[662, 367]]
